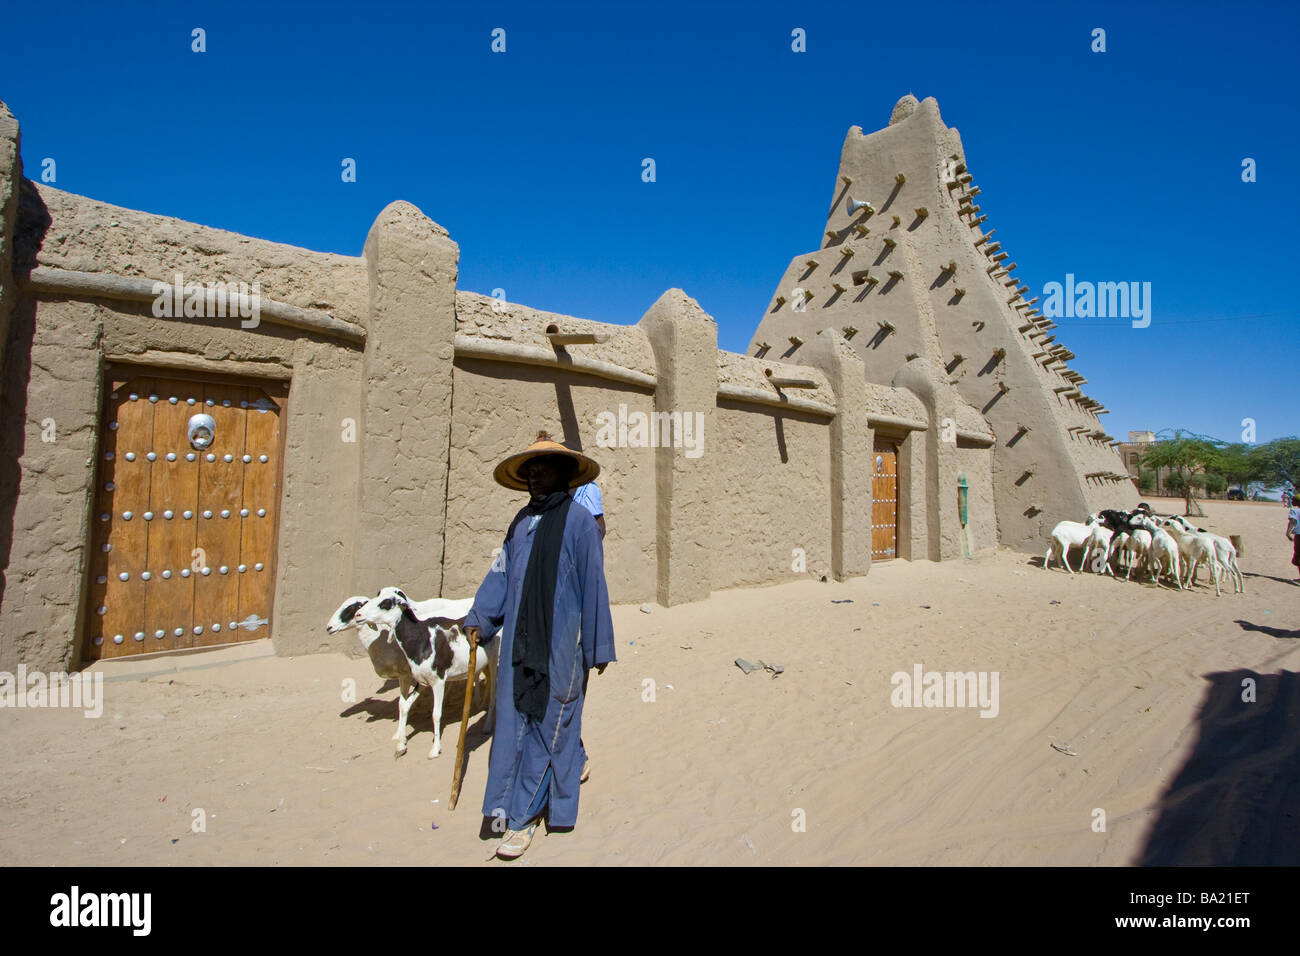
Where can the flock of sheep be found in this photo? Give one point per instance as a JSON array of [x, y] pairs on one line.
[[1158, 544]]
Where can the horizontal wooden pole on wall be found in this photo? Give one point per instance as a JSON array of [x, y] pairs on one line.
[[574, 338], [780, 380], [472, 346], [893, 421], [102, 285], [757, 396], [185, 362]]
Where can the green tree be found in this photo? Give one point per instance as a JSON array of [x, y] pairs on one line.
[[1279, 461], [1241, 464], [1187, 460], [1146, 481]]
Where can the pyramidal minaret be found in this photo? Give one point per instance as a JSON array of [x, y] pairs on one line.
[[908, 269]]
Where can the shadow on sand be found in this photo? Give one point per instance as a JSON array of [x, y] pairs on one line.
[[1236, 801]]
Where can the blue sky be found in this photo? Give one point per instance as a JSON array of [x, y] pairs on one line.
[[1115, 166]]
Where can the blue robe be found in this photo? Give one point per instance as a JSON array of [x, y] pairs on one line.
[[582, 637]]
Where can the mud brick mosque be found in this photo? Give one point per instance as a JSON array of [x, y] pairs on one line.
[[171, 483]]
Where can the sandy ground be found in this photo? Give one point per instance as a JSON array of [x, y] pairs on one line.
[[1143, 684]]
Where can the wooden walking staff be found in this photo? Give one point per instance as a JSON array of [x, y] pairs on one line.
[[457, 774]]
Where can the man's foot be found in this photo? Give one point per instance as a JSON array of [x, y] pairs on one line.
[[586, 772], [515, 842]]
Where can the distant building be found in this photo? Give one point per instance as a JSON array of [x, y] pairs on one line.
[[1132, 452]]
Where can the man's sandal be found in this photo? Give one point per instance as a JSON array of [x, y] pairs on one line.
[[515, 842], [586, 772]]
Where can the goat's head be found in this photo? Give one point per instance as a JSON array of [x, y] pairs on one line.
[[345, 616], [385, 609]]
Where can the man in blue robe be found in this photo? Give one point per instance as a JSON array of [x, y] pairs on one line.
[[547, 593]]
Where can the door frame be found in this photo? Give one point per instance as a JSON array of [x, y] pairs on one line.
[[277, 389]]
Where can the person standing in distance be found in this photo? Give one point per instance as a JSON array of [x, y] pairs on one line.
[[588, 496]]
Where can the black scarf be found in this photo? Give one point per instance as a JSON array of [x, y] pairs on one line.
[[532, 647]]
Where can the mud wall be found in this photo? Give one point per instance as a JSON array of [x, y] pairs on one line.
[[71, 320], [404, 393]]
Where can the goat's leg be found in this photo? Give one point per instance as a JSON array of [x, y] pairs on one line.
[[1047, 558], [403, 687], [1114, 550], [408, 694], [439, 685]]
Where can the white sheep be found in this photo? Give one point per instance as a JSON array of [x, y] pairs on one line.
[[1193, 548], [1224, 550], [1138, 549], [1163, 556], [1098, 543], [1067, 535]]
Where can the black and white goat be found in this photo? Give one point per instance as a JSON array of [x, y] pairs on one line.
[[385, 655], [430, 638]]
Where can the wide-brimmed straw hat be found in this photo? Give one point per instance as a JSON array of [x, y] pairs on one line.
[[509, 472]]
